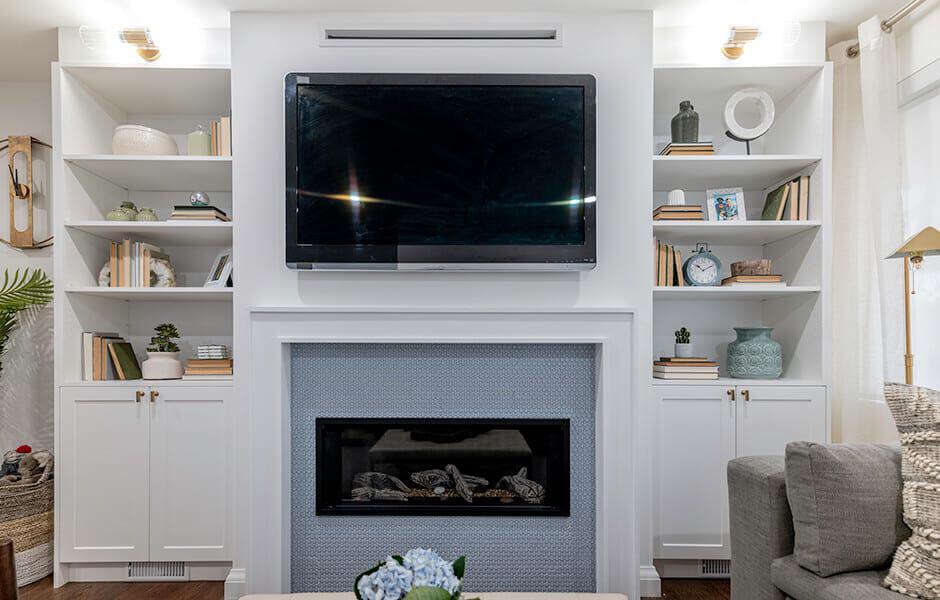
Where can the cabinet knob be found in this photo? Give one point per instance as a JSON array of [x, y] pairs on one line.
[[140, 394], [154, 394], [730, 393], [747, 395]]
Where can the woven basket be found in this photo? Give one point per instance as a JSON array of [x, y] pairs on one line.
[[26, 518]]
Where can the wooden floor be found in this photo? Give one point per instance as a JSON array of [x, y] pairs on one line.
[[673, 589]]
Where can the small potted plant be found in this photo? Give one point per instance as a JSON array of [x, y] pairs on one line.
[[162, 353], [683, 343]]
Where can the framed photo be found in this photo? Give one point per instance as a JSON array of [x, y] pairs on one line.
[[221, 270], [726, 205]]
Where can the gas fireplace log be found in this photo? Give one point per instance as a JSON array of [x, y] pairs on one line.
[[528, 490], [379, 481], [460, 484], [364, 494], [431, 479]]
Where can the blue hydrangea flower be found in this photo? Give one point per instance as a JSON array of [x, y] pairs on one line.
[[430, 570], [391, 582]]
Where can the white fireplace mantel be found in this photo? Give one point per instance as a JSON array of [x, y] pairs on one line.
[[263, 490]]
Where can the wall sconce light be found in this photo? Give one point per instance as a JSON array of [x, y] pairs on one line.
[[738, 37], [138, 37]]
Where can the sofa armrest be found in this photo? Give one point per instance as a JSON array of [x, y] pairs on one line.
[[761, 525]]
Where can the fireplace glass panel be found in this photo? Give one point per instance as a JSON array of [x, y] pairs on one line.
[[443, 467]]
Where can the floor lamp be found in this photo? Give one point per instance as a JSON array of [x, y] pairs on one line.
[[913, 251]]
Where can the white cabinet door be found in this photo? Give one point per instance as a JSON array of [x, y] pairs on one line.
[[190, 470], [102, 474], [694, 442], [770, 416]]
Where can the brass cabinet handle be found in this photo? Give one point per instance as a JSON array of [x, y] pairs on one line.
[[731, 394], [140, 394], [747, 395], [154, 394]]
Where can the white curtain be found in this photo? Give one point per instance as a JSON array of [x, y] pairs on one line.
[[868, 318]]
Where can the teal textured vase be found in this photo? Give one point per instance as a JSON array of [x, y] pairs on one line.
[[754, 355]]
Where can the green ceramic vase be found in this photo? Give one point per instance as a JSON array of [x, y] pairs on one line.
[[755, 355], [146, 214]]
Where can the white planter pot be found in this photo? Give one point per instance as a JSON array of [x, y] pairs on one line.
[[162, 365], [683, 350]]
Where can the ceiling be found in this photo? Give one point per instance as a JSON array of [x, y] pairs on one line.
[[30, 24]]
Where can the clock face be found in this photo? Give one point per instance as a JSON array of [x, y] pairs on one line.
[[701, 270]]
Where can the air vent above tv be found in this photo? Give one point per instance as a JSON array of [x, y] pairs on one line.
[[441, 34]]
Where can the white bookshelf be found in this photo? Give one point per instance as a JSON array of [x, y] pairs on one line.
[[743, 292], [89, 101]]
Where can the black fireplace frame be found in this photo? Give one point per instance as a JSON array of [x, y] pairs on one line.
[[562, 509]]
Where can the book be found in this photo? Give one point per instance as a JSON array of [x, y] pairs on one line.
[[683, 359], [677, 208], [687, 148], [685, 375], [210, 362], [703, 364], [125, 361], [661, 277], [804, 198], [89, 360], [206, 377], [794, 200], [102, 368], [195, 208], [689, 216], [684, 369], [680, 280], [775, 203], [113, 263], [670, 269], [225, 136], [189, 371], [752, 279], [753, 285]]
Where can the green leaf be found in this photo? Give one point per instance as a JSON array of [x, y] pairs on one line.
[[364, 574], [460, 565], [399, 559], [25, 290], [428, 593]]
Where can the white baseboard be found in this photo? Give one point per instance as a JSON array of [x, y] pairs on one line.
[[649, 582], [235, 584]]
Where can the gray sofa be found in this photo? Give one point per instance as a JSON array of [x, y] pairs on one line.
[[848, 506]]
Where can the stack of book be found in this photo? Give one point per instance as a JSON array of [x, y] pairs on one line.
[[748, 280], [131, 263], [685, 212], [106, 356], [220, 137], [668, 265], [688, 149], [788, 201], [192, 212], [211, 351], [672, 367], [208, 369]]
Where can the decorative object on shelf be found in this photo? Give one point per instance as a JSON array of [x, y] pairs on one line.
[[198, 212], [208, 368], [754, 354], [726, 205], [775, 202], [124, 360], [221, 272], [702, 268], [198, 143], [668, 265], [740, 133], [688, 149], [738, 38], [418, 575], [692, 212], [20, 149], [199, 199], [761, 266], [212, 351], [138, 140], [146, 214], [161, 274], [162, 353], [676, 198], [125, 212], [689, 367], [683, 343], [913, 251], [684, 125], [27, 481], [18, 293]]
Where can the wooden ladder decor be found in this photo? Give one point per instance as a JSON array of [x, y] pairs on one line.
[[22, 190]]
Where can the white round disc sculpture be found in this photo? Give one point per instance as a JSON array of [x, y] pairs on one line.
[[766, 113]]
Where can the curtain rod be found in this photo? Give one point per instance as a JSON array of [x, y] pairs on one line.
[[889, 23]]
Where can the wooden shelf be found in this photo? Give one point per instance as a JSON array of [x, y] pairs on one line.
[[730, 293], [730, 233], [169, 233], [159, 173], [159, 90], [726, 170], [189, 294]]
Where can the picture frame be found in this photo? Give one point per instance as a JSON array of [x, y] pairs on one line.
[[726, 204], [220, 271]]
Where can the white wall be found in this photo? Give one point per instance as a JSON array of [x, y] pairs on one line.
[[615, 47], [26, 389]]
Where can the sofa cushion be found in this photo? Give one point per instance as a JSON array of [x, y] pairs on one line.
[[916, 567], [846, 504], [486, 596], [799, 584]]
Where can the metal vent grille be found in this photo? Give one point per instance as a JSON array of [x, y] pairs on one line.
[[151, 571], [716, 567], [441, 34]]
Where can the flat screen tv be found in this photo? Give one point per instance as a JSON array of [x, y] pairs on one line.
[[422, 171]]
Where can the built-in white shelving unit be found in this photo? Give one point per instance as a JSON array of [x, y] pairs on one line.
[[702, 424]]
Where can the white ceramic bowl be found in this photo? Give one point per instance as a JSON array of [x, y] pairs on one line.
[[137, 139]]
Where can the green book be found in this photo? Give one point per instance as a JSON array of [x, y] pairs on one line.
[[774, 204], [125, 361]]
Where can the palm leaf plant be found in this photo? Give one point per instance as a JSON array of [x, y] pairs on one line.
[[19, 292]]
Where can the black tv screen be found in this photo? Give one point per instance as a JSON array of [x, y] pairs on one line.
[[437, 171]]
